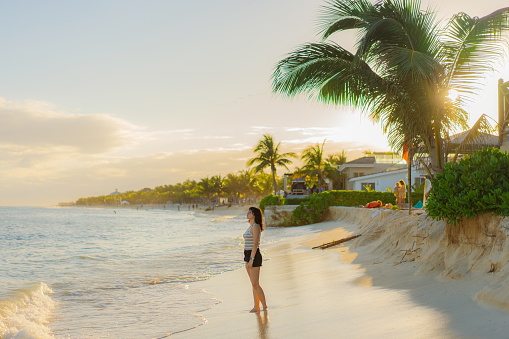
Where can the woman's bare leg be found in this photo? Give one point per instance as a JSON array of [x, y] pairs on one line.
[[258, 294], [256, 300]]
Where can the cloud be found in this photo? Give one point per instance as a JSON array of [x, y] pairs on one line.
[[38, 128]]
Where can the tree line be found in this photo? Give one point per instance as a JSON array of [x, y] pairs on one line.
[[252, 183]]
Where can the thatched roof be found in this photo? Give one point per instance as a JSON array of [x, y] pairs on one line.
[[481, 140]]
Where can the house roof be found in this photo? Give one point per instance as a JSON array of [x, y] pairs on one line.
[[380, 174], [362, 161], [397, 168], [484, 140]]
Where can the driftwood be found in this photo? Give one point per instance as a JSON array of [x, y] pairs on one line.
[[337, 242]]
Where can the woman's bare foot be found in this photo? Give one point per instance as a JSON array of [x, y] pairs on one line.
[[254, 310]]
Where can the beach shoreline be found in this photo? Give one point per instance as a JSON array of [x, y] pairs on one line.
[[350, 290]]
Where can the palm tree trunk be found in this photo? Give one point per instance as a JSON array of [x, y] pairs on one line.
[[274, 181], [410, 155]]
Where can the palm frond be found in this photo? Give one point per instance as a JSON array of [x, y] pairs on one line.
[[343, 15], [310, 66], [472, 47]]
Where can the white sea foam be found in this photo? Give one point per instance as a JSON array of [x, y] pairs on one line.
[[25, 313]]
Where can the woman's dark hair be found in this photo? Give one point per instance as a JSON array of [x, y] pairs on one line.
[[258, 216]]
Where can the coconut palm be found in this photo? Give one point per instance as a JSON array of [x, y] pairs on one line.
[[218, 185], [314, 161], [268, 156], [403, 68], [205, 187], [233, 186], [336, 159], [331, 170], [249, 182]]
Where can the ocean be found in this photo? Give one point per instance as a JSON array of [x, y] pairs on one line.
[[114, 273]]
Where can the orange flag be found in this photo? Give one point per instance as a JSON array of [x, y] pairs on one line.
[[405, 152]]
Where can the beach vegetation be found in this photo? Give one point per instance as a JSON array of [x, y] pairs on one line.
[[314, 207], [404, 67], [314, 162], [206, 187], [233, 187], [475, 185], [331, 171], [268, 155], [271, 200]]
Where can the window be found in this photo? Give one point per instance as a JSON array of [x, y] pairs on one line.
[[358, 174], [366, 185]]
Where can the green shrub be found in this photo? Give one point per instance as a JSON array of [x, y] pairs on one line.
[[294, 201], [476, 185], [314, 207], [356, 198], [271, 200]]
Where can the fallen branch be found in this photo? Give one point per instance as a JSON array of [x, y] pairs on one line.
[[337, 242]]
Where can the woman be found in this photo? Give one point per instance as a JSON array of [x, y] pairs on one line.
[[402, 193], [396, 193], [254, 262]]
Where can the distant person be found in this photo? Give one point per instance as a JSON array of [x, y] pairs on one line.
[[427, 189], [285, 194], [254, 262], [402, 193], [396, 193]]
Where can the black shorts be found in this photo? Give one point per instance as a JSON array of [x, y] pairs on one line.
[[257, 262]]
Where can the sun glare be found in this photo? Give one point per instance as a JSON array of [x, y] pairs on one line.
[[453, 94]]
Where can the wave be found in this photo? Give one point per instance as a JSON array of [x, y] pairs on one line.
[[25, 313]]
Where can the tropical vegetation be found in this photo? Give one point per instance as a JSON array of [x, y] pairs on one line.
[[403, 69], [476, 185], [317, 165], [313, 208], [250, 184], [269, 156]]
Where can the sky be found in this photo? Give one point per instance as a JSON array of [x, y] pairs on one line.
[[104, 95]]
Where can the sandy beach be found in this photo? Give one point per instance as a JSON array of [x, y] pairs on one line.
[[347, 291]]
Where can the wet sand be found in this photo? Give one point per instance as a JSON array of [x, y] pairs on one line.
[[343, 292]]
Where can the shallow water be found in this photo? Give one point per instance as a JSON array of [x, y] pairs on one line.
[[95, 273]]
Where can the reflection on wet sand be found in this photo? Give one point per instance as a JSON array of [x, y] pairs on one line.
[[263, 324]]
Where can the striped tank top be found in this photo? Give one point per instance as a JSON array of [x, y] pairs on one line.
[[248, 239]]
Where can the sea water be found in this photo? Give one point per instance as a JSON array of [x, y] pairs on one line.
[[116, 273]]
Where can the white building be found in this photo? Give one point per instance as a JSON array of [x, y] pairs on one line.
[[382, 181], [375, 162]]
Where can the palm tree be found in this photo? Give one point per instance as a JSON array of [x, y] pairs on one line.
[[269, 156], [205, 187], [233, 186], [314, 161], [336, 159], [403, 68], [331, 170], [249, 182], [218, 185], [265, 183]]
